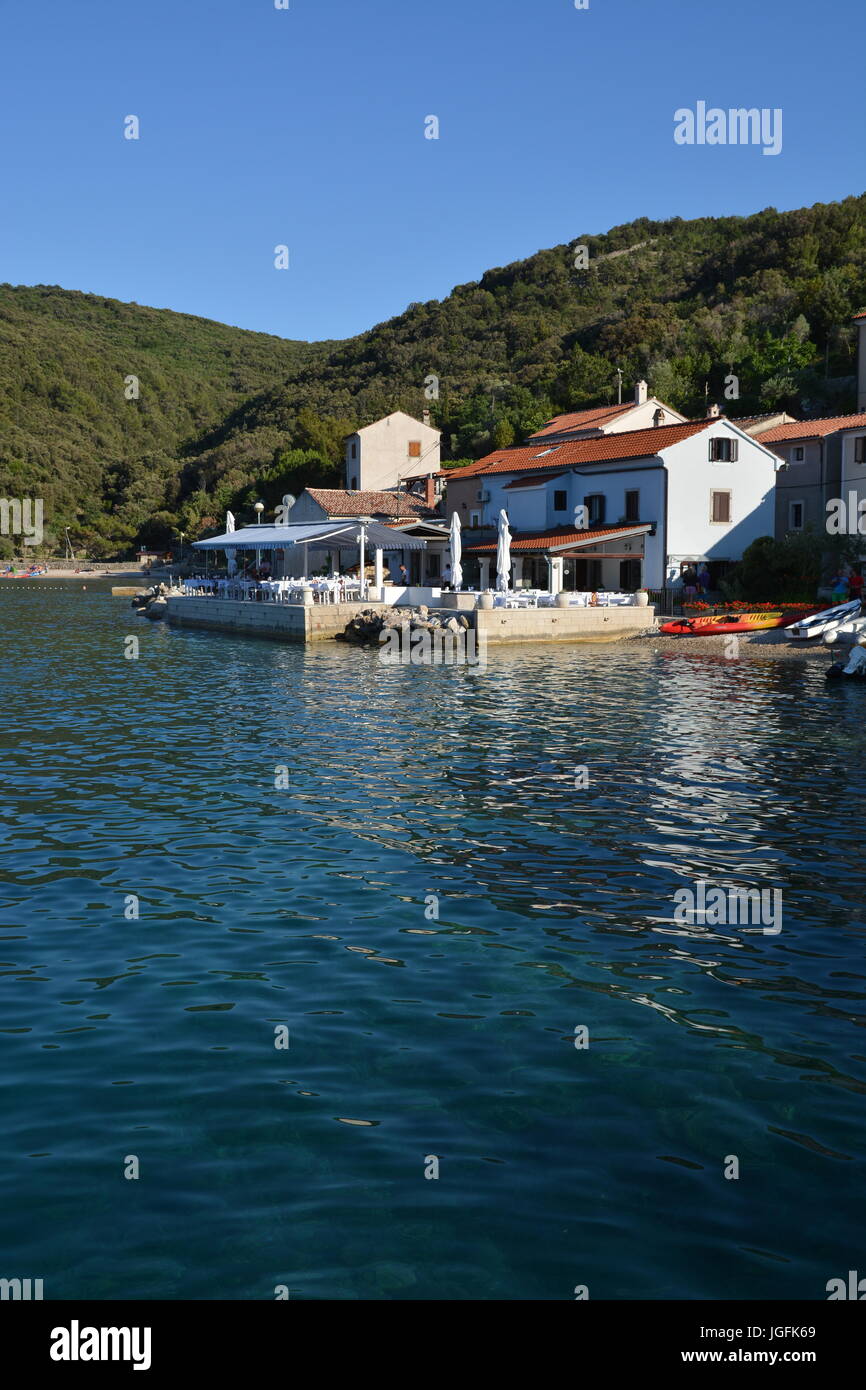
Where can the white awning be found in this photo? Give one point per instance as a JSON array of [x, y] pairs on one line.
[[331, 535]]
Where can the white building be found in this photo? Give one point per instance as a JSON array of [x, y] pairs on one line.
[[637, 414], [383, 455], [655, 499]]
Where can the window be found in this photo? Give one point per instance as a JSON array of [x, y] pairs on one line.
[[795, 516], [433, 565], [414, 448], [354, 450], [798, 454], [860, 449], [632, 506], [474, 518], [595, 508], [720, 507], [560, 500], [353, 484], [723, 450]]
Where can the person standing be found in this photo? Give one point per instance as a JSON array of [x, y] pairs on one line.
[[690, 582], [839, 586]]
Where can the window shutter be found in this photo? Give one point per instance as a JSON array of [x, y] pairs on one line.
[[721, 506]]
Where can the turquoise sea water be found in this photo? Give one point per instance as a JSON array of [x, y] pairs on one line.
[[412, 1036]]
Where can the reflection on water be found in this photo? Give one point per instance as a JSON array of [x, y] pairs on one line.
[[432, 908]]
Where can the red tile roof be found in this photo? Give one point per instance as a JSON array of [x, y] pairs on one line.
[[593, 418], [861, 315], [563, 536], [533, 481], [339, 503], [811, 429], [628, 444]]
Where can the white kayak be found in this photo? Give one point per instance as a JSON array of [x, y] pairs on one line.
[[826, 621]]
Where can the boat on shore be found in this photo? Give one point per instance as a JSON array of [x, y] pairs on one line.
[[735, 620], [825, 621]]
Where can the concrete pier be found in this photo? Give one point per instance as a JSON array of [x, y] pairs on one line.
[[320, 622], [561, 624], [283, 622]]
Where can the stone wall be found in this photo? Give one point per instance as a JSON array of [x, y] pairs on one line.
[[283, 622], [562, 624], [320, 622]]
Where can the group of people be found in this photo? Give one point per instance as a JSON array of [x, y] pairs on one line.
[[29, 572], [696, 580], [846, 585]]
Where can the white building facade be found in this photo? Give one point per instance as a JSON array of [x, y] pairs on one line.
[[653, 500]]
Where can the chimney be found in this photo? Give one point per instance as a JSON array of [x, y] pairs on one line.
[[430, 493], [426, 417], [712, 412], [640, 393], [658, 417]]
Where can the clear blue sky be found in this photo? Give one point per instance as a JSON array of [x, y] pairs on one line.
[[306, 127]]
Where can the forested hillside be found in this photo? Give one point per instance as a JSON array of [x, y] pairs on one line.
[[225, 416]]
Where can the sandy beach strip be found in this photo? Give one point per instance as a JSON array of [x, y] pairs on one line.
[[773, 644]]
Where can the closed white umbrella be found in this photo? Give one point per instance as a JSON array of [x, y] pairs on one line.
[[231, 556], [456, 547], [503, 554]]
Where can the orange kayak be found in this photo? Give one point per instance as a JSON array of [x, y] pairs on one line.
[[719, 623]]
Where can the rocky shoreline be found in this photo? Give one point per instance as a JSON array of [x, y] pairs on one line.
[[365, 628]]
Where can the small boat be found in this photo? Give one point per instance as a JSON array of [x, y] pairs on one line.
[[837, 672], [717, 624], [825, 621], [846, 632]]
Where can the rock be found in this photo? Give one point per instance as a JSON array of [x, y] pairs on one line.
[[363, 629], [452, 625], [157, 608]]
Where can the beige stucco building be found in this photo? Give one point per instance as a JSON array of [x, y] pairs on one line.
[[383, 455]]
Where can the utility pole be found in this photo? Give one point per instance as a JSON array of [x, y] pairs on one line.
[[619, 385]]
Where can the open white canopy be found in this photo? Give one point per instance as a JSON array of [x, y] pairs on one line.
[[332, 534]]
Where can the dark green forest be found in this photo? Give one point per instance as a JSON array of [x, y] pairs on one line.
[[221, 416]]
